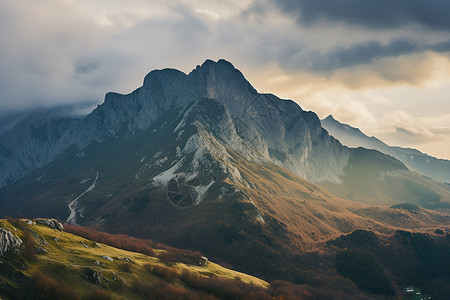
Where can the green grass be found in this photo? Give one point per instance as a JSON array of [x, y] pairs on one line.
[[67, 259]]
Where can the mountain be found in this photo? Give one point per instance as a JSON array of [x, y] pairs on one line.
[[203, 161], [437, 169]]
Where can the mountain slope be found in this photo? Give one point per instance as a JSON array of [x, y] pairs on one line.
[[212, 107], [437, 169], [74, 267]]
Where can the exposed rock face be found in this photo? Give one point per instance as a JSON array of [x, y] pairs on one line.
[[275, 130], [8, 241], [52, 223]]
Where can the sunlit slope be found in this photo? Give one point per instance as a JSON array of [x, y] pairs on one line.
[[84, 267]]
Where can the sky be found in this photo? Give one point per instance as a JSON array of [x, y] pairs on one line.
[[380, 65]]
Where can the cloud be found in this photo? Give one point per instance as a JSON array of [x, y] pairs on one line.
[[409, 130], [86, 67], [381, 14]]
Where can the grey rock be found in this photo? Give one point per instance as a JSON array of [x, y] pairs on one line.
[[94, 276], [96, 245], [56, 239], [8, 241], [108, 258], [40, 250], [52, 223], [84, 245]]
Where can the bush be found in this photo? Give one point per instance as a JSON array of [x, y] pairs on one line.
[[224, 288], [165, 291], [47, 288], [121, 241], [29, 243], [99, 295], [280, 289], [161, 271], [362, 268]]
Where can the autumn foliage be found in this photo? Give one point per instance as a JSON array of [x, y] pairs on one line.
[[29, 243], [121, 241], [47, 288]]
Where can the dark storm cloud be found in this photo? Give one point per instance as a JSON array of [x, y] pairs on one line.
[[371, 13], [363, 53], [357, 54]]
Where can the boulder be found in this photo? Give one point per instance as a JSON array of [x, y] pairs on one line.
[[94, 276], [52, 223], [8, 241], [108, 258]]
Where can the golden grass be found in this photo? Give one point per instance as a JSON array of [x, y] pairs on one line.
[[67, 257]]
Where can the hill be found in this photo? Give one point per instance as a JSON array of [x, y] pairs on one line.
[[51, 264]]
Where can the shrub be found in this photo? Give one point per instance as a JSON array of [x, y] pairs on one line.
[[99, 295], [280, 289], [125, 267], [121, 241], [29, 243], [47, 288], [165, 291], [161, 271], [224, 288], [362, 268]]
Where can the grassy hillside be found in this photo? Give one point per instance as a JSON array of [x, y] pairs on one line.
[[73, 267]]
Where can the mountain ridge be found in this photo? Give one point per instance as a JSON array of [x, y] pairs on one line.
[[435, 168]]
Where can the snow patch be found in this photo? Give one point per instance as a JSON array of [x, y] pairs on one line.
[[142, 159], [181, 124], [159, 162], [84, 180], [165, 176], [201, 190]]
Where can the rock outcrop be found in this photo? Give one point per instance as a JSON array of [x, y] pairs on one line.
[[52, 223], [8, 241]]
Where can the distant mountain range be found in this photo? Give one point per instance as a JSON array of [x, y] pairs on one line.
[[203, 161], [435, 168]]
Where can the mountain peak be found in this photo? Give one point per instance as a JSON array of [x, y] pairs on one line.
[[222, 63], [330, 118], [221, 72], [167, 73]]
